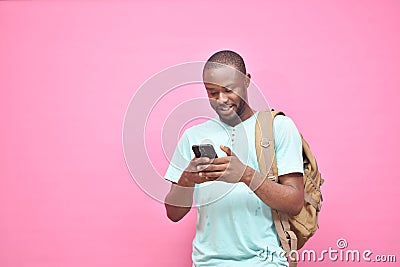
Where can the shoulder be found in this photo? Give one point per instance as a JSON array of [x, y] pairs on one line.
[[282, 122], [288, 146], [285, 131]]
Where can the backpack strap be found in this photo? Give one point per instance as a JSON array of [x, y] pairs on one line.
[[265, 149], [265, 143]]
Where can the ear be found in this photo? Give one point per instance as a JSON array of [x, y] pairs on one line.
[[247, 80]]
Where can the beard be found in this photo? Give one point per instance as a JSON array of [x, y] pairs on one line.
[[234, 116]]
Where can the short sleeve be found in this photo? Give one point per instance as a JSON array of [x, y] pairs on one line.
[[180, 159], [288, 146]]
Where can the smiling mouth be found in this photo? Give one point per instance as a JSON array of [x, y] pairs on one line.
[[225, 108]]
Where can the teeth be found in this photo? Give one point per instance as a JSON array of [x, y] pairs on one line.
[[225, 108]]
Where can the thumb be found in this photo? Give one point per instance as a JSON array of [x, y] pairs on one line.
[[227, 150]]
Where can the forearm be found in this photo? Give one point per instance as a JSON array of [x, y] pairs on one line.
[[283, 197], [179, 201]]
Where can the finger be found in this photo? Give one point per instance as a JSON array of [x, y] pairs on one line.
[[226, 149], [212, 167], [211, 175], [202, 166], [222, 160], [202, 178], [199, 161]]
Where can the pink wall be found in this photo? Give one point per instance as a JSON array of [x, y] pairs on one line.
[[68, 71]]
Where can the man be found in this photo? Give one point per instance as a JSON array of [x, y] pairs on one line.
[[234, 225]]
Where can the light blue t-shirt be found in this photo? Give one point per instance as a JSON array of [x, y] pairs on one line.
[[234, 227]]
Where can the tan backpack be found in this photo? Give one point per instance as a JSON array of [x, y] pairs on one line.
[[293, 231]]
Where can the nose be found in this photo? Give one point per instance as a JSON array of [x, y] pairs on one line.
[[222, 97]]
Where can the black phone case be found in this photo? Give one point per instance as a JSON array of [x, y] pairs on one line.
[[204, 150]]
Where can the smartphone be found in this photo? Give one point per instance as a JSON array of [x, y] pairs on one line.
[[204, 150]]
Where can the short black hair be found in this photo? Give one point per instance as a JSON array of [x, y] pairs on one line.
[[227, 57]]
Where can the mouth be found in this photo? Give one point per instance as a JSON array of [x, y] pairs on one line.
[[225, 108]]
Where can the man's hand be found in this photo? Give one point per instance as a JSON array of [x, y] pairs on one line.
[[192, 174], [228, 169]]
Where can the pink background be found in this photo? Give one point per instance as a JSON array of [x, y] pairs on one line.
[[68, 71]]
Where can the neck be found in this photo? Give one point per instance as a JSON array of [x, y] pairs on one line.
[[247, 113]]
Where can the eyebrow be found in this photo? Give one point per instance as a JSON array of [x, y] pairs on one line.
[[229, 85], [225, 86]]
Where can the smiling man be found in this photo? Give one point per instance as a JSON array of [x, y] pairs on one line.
[[234, 225]]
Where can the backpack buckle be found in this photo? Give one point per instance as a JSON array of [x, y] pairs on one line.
[[264, 142], [272, 178]]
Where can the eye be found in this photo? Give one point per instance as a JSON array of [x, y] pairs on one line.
[[229, 89], [212, 93]]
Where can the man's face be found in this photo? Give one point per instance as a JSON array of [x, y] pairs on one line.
[[227, 91]]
